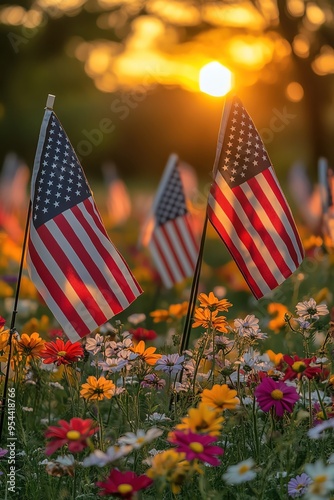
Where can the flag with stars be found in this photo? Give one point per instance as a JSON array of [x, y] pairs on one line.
[[247, 207], [72, 262], [172, 243]]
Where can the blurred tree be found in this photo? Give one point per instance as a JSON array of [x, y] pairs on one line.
[[109, 58]]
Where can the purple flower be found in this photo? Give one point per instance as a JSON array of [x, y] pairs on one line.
[[271, 394], [170, 363], [152, 381], [299, 485], [3, 452]]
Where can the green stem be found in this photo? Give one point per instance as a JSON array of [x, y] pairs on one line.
[[310, 403], [74, 486]]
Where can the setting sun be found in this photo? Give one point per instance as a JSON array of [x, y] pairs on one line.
[[215, 79]]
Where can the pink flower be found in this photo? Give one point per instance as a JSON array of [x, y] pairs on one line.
[[276, 394], [123, 484], [196, 446]]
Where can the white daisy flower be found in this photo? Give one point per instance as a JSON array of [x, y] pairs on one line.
[[112, 454], [322, 477], [138, 439], [240, 473], [136, 318], [247, 326], [309, 309], [94, 345], [113, 365], [318, 431]]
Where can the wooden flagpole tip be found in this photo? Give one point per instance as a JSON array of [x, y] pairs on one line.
[[50, 101]]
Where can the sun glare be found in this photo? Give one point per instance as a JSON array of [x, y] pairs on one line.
[[215, 79]]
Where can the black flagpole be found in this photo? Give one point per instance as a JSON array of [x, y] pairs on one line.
[[194, 287], [12, 325], [193, 293]]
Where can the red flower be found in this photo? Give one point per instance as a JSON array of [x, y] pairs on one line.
[[60, 353], [2, 321], [278, 395], [74, 433], [300, 367], [123, 484], [142, 334], [196, 446]]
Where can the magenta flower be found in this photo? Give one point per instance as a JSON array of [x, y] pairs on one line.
[[271, 394], [196, 446]]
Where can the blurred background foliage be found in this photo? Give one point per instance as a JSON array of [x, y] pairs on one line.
[[125, 74]]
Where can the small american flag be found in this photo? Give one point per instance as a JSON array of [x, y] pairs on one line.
[[72, 262], [247, 207], [326, 184], [172, 243]]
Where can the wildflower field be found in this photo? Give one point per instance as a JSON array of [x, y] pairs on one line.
[[245, 411]]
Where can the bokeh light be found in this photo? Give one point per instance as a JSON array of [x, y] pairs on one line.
[[215, 79]]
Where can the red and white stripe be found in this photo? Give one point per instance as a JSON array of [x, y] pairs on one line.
[[78, 271], [174, 250], [255, 222]]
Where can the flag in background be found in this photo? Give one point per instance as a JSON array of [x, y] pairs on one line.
[[72, 262], [247, 207], [305, 196], [14, 196], [118, 199], [326, 183], [171, 241]]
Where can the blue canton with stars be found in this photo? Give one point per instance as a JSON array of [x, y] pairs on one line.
[[60, 182], [172, 203], [243, 153]]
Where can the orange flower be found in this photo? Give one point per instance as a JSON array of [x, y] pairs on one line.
[[159, 315], [175, 311], [29, 345], [146, 354], [213, 303], [209, 319], [97, 388], [220, 397], [278, 322], [274, 358]]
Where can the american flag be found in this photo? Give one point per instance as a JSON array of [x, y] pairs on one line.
[[326, 184], [72, 262], [247, 207], [172, 243]]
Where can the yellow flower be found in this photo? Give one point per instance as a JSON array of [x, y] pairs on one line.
[[311, 242], [274, 358], [324, 295], [97, 388], [34, 324], [278, 321], [27, 289], [220, 397], [146, 355], [171, 466], [213, 303], [209, 319], [5, 290], [29, 345], [203, 419], [4, 336]]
